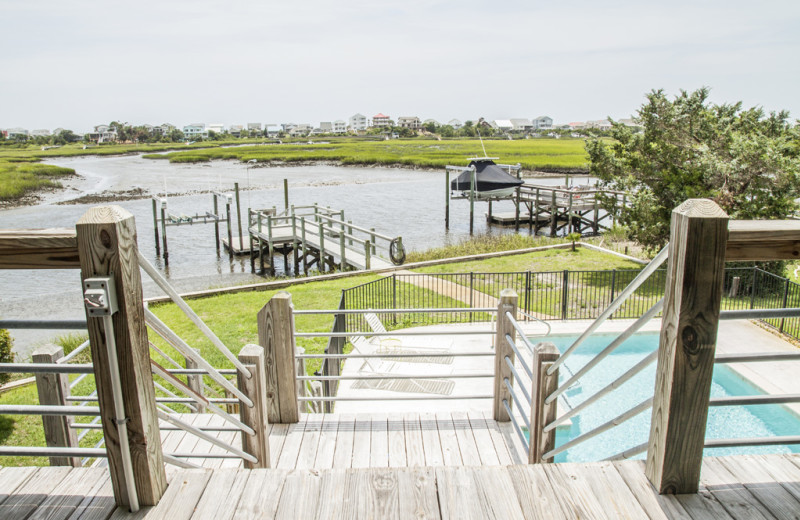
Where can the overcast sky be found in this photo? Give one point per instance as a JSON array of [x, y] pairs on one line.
[[77, 63]]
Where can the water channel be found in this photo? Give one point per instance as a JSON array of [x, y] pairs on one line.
[[396, 202]]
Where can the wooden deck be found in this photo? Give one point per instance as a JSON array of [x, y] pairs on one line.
[[742, 487], [325, 441]]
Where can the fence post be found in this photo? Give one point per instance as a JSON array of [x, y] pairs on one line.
[[276, 335], [54, 389], [542, 414], [471, 294], [753, 288], [785, 301], [694, 285], [252, 357], [195, 381], [564, 294], [107, 247], [527, 293], [507, 303]]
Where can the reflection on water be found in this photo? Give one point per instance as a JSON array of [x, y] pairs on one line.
[[396, 202]]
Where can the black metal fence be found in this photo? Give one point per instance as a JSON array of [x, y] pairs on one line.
[[554, 295]]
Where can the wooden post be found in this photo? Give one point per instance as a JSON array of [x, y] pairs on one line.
[[286, 194], [472, 200], [53, 391], [155, 226], [107, 247], [238, 215], [276, 335], [447, 199], [195, 381], [303, 243], [296, 265], [230, 226], [342, 259], [542, 414], [216, 219], [252, 357], [695, 272], [350, 232], [553, 214], [507, 303], [270, 246], [489, 216], [301, 384], [367, 256], [320, 264], [516, 212], [372, 240], [164, 231]]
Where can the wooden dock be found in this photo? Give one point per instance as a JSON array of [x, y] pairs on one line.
[[740, 487]]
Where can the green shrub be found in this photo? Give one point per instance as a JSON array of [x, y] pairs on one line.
[[6, 356]]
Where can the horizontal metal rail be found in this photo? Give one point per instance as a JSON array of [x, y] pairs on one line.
[[393, 356], [398, 398], [38, 409], [393, 376], [174, 400], [619, 340], [74, 353], [45, 368], [190, 455], [520, 358], [759, 314], [517, 378], [749, 400], [522, 413], [640, 278], [170, 393], [630, 452], [757, 357], [536, 318], [752, 441], [36, 451], [205, 436], [395, 311], [525, 442], [169, 459], [638, 367], [43, 324], [395, 333], [616, 421], [165, 427]]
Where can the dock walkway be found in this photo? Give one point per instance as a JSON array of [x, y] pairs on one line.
[[741, 487]]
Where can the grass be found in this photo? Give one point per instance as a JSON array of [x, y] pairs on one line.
[[481, 244], [18, 178], [555, 155]]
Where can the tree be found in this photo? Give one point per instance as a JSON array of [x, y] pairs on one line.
[[6, 355], [690, 148]]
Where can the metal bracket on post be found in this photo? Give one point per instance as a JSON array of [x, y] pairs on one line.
[[100, 299]]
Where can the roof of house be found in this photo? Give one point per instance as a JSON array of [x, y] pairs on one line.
[[503, 122], [544, 117], [380, 116]]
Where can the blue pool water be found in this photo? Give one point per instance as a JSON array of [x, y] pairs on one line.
[[723, 421]]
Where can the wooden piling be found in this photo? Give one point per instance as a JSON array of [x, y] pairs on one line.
[[53, 390], [694, 285], [216, 220], [230, 226], [542, 414], [164, 231], [276, 336], [254, 387], [107, 247], [447, 199], [472, 182], [238, 214], [507, 303], [155, 226]]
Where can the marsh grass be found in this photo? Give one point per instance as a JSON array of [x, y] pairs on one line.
[[18, 178]]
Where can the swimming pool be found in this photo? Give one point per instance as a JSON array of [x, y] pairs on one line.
[[723, 421]]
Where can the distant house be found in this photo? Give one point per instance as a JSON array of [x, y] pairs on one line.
[[195, 131], [164, 128], [272, 129], [326, 127], [300, 130], [339, 127], [431, 121], [12, 133], [521, 125], [42, 132], [575, 125], [287, 127], [599, 124], [543, 123], [502, 124], [456, 124], [358, 123], [217, 128], [103, 134], [381, 120], [633, 123], [411, 122], [236, 130], [253, 126]]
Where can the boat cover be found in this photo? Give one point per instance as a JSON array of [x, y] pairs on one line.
[[488, 177]]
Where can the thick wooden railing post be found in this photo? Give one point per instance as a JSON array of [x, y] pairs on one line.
[[694, 286], [276, 335], [254, 387], [53, 390], [107, 247], [541, 413], [507, 303]]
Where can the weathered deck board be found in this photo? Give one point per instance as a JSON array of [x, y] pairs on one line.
[[343, 452], [379, 441], [397, 442], [431, 444], [415, 453], [744, 487]]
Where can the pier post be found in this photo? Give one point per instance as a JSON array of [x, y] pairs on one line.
[[542, 414], [303, 243], [553, 214], [270, 245], [286, 195], [296, 265], [216, 220], [107, 248], [320, 262], [342, 259], [372, 240], [260, 242], [276, 336], [257, 445], [155, 226], [472, 182], [230, 226], [489, 216], [350, 232], [367, 259], [53, 390], [536, 212], [569, 213], [238, 215], [507, 303], [164, 230], [596, 217], [446, 199], [692, 300], [516, 213]]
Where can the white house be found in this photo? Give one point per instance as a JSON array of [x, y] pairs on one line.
[[339, 127], [502, 124], [217, 128], [600, 124], [358, 123], [411, 122], [195, 131], [521, 125], [326, 127], [236, 130], [380, 120], [456, 124], [11, 133], [543, 123], [300, 129], [253, 126]]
